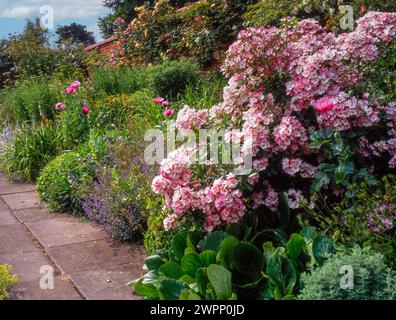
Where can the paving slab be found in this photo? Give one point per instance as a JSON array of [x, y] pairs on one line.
[[63, 290], [14, 239], [36, 214], [8, 188], [107, 284], [26, 265], [22, 200], [95, 255], [7, 218], [64, 230]]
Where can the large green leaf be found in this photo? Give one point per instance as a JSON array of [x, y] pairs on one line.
[[154, 262], [295, 247], [171, 270], [179, 244], [190, 263], [221, 280], [202, 280], [224, 256], [207, 257], [213, 241], [248, 260], [277, 236], [281, 272], [309, 233], [170, 289], [150, 277], [149, 291], [322, 249], [268, 250]]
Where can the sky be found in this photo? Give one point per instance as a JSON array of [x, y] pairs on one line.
[[13, 13]]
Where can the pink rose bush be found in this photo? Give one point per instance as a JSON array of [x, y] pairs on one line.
[[284, 85]]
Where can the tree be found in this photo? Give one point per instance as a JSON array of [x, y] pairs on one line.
[[76, 33], [125, 9]]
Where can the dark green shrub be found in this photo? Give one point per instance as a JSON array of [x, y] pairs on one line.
[[372, 279], [172, 77], [30, 151], [61, 181]]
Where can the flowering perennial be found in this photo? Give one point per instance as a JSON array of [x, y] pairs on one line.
[[284, 84]]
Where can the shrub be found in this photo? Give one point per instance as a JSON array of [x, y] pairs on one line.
[[222, 267], [172, 77], [268, 111], [29, 151], [372, 279], [60, 182], [6, 280]]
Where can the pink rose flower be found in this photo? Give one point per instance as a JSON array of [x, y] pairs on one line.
[[60, 106], [324, 104], [168, 113], [158, 100], [85, 110]]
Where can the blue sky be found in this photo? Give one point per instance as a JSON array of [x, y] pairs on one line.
[[13, 13]]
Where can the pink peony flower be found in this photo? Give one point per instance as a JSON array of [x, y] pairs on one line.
[[165, 103], [60, 106], [76, 84], [168, 113], [324, 104], [85, 110], [158, 100], [71, 90]]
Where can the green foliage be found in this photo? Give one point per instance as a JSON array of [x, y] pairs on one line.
[[171, 78], [112, 81], [341, 168], [372, 279], [60, 182], [270, 12], [6, 280], [30, 102], [219, 266], [41, 59], [348, 219], [73, 125], [200, 31], [30, 151]]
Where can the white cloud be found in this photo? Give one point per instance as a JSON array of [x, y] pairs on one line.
[[63, 9], [18, 12], [95, 29]]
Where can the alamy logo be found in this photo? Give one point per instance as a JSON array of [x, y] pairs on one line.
[[47, 18], [346, 281], [47, 280]]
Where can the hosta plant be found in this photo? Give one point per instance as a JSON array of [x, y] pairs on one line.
[[220, 266]]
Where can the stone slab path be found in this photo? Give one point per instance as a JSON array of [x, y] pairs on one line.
[[87, 265]]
